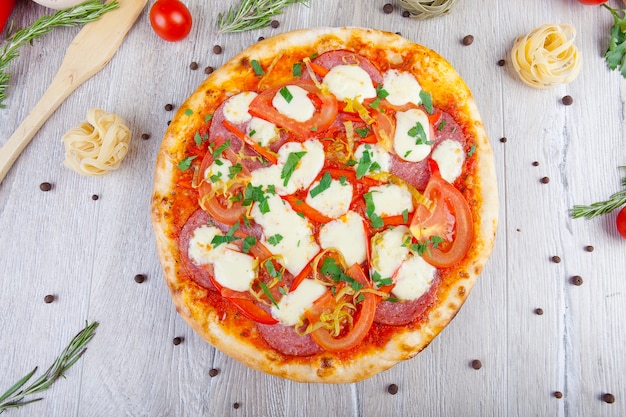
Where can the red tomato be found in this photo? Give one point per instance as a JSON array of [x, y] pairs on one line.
[[449, 219], [170, 20], [592, 2], [220, 206], [362, 320], [6, 7], [620, 221], [325, 114], [245, 304]]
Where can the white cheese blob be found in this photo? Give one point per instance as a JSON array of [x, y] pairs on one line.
[[292, 306], [231, 268], [290, 235], [413, 278], [299, 107], [347, 235], [236, 107], [262, 132], [334, 201], [219, 170], [413, 137], [305, 172], [388, 250], [391, 200], [402, 87], [450, 156], [377, 155], [350, 82]]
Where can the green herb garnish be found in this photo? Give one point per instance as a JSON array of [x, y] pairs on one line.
[[286, 94], [370, 210], [600, 208], [323, 185], [290, 166], [616, 52], [275, 239], [256, 66], [248, 243], [186, 163]]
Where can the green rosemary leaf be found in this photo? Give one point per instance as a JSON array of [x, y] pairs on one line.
[[251, 14]]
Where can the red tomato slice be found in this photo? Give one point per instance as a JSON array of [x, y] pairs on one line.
[[324, 116], [362, 321], [244, 303], [450, 219], [219, 206]]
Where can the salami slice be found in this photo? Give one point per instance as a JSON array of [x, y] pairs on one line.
[[331, 59], [195, 271], [287, 341], [403, 313]]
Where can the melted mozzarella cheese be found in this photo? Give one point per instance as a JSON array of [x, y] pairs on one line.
[[231, 268], [299, 107], [291, 235], [391, 200], [236, 107], [218, 171], [377, 155], [350, 82], [450, 156], [407, 142], [292, 306], [402, 87], [262, 132], [413, 278], [304, 173], [333, 201], [347, 235], [388, 250]]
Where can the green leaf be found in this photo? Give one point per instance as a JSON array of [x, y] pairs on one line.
[[427, 101], [323, 185], [616, 53], [286, 94], [275, 239], [248, 243], [186, 163], [290, 166], [256, 66], [370, 210]]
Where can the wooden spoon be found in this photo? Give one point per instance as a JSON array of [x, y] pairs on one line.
[[92, 48]]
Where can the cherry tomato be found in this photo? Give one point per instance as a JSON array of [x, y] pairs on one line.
[[6, 7], [170, 20], [592, 2], [449, 219], [620, 221]]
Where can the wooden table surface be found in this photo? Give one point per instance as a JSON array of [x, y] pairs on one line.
[[86, 252]]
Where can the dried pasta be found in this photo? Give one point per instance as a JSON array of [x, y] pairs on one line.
[[98, 145], [547, 56], [426, 9]]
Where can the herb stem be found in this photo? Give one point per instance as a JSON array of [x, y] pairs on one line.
[[86, 12], [15, 397], [251, 14], [600, 208]]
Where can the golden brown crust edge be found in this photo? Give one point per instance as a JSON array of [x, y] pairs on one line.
[[405, 344]]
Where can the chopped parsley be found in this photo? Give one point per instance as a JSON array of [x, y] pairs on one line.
[[370, 210], [442, 124], [275, 239], [271, 269], [334, 272], [380, 281], [268, 293], [427, 101], [405, 215], [234, 170], [208, 117], [198, 139], [362, 132], [227, 238], [419, 134], [296, 70], [256, 66], [323, 185], [188, 112], [284, 91], [255, 194], [186, 163], [471, 151], [290, 166], [366, 164], [381, 92], [343, 180], [248, 243], [217, 152], [421, 247]]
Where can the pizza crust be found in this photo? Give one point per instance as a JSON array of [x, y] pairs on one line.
[[236, 336]]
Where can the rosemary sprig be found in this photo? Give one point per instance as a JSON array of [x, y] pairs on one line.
[[86, 12], [251, 14], [16, 397], [616, 200]]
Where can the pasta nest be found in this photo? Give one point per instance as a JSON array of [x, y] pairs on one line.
[[98, 145], [547, 56], [426, 9]]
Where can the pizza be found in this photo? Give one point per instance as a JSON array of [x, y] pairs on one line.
[[324, 202]]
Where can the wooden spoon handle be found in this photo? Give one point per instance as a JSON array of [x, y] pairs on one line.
[[92, 48]]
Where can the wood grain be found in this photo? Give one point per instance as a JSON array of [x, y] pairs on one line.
[[87, 252]]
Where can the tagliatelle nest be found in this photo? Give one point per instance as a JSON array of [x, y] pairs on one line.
[[98, 145], [426, 9], [547, 56]]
